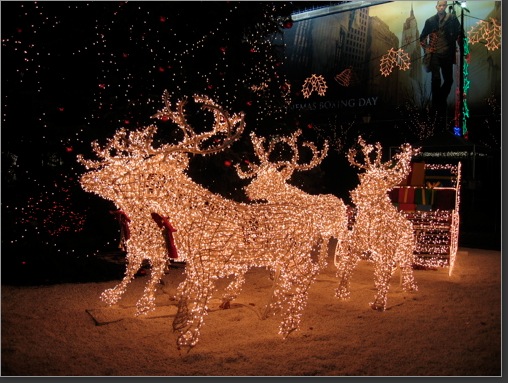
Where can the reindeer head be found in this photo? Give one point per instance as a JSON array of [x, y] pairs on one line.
[[270, 177], [129, 162], [379, 177]]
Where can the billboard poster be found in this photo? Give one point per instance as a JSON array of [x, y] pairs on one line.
[[363, 64]]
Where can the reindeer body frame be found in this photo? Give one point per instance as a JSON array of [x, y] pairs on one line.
[[270, 183], [216, 237], [379, 228]]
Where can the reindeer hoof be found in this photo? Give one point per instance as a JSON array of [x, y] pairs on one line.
[[377, 307], [110, 296], [225, 305], [342, 293]]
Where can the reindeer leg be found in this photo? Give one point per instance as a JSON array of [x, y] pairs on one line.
[[271, 306], [345, 268], [383, 273], [298, 295], [146, 303], [232, 291], [194, 297], [406, 270], [111, 296]]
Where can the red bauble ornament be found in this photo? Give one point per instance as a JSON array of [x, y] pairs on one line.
[[288, 24], [227, 163]]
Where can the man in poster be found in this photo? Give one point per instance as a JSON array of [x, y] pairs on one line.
[[439, 41]]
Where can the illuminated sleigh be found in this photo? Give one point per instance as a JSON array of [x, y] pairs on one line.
[[430, 198]]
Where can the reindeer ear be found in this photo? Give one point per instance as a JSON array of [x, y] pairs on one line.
[[286, 171]]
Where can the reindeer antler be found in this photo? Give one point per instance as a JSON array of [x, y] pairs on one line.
[[291, 165], [366, 150], [400, 163], [395, 169], [223, 123], [124, 144], [317, 157], [138, 144]]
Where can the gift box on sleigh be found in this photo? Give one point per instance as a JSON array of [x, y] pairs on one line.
[[424, 198], [404, 198], [440, 177], [416, 176]]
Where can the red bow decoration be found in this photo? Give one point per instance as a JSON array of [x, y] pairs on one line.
[[163, 223], [123, 220]]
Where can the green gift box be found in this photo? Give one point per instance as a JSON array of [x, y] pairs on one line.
[[424, 196]]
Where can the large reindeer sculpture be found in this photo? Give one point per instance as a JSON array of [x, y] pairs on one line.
[[379, 228], [270, 183], [216, 237]]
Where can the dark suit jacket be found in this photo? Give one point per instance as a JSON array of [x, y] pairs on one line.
[[451, 27]]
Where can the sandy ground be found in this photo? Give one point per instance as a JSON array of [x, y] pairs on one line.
[[450, 327]]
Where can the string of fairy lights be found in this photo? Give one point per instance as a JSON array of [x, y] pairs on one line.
[[175, 48]]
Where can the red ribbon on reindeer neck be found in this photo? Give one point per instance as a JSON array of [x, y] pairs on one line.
[[124, 220], [163, 223]]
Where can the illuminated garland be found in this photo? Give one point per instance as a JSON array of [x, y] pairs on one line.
[[345, 77], [379, 229], [314, 83], [490, 32], [392, 58], [215, 236], [466, 85]]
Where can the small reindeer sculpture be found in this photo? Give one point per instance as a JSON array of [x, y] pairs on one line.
[[379, 230], [216, 237], [270, 183]]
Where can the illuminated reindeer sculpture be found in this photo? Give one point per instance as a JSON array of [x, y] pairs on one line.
[[379, 228], [216, 237], [270, 183]]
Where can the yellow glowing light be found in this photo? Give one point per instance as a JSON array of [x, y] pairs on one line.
[[379, 229], [216, 237]]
